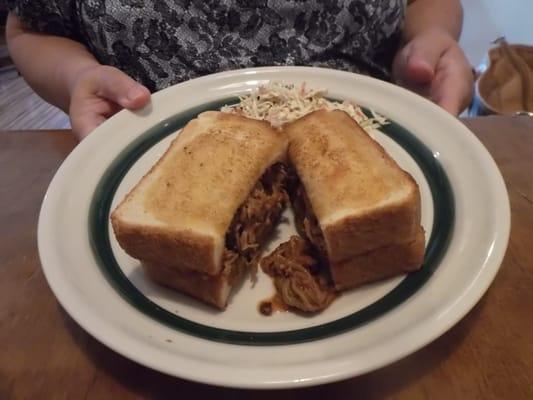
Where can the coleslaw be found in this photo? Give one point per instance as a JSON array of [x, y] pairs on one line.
[[279, 103]]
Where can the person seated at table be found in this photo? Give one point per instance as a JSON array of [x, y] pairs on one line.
[[93, 58]]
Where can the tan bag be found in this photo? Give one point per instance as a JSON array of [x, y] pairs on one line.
[[506, 86]]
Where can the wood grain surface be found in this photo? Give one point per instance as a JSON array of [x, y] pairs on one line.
[[46, 355], [22, 108]]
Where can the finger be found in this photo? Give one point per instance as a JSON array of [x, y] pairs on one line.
[[421, 56], [110, 109], [86, 115], [450, 102], [85, 124], [121, 89], [419, 71], [453, 83], [454, 98]]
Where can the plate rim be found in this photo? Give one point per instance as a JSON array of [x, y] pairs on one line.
[[431, 332]]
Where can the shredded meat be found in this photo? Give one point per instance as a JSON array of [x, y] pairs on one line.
[[257, 216], [233, 265], [297, 276], [298, 266], [305, 219]]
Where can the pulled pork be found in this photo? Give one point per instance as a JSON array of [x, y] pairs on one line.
[[305, 219], [257, 216], [233, 264], [297, 276], [298, 266]]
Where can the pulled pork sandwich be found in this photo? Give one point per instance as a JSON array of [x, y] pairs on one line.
[[357, 211], [198, 219]]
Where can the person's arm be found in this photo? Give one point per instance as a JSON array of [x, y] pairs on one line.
[[423, 15], [64, 73], [50, 64], [431, 61]]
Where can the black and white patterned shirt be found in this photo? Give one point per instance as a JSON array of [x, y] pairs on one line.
[[163, 42]]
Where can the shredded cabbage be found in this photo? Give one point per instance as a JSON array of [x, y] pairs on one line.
[[280, 103]]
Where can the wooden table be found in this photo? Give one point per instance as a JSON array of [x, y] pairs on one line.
[[44, 354]]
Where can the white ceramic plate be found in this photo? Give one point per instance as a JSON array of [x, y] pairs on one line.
[[465, 212]]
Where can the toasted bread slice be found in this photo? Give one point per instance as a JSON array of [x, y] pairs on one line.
[[211, 289], [178, 214], [361, 198], [380, 263]]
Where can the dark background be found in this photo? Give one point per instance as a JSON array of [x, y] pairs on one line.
[[5, 61], [3, 13]]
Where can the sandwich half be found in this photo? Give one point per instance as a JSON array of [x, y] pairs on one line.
[[353, 204], [198, 218]]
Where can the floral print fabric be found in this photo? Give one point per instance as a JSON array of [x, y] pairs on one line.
[[163, 42]]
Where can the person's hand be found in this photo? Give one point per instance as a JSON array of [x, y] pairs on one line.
[[433, 65], [99, 92]]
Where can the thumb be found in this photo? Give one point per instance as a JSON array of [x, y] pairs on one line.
[[115, 85], [418, 62]]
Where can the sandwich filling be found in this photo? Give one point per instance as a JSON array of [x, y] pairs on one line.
[[255, 218], [251, 225], [298, 276], [299, 266], [305, 219]]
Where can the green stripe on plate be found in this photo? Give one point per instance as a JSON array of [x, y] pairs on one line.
[[99, 236]]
